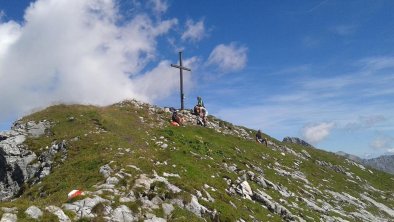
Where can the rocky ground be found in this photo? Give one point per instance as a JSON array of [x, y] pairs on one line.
[[155, 183]]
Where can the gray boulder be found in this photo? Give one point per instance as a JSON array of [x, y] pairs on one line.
[[59, 213], [105, 170], [9, 217], [83, 208], [122, 214], [155, 219], [33, 212], [195, 207], [167, 208], [274, 207]]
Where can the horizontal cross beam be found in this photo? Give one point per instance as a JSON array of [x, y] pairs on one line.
[[181, 67]]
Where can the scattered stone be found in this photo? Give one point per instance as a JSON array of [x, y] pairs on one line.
[[83, 208], [195, 207], [171, 175], [274, 207], [12, 210], [122, 214], [134, 167], [246, 190], [306, 154], [130, 197], [167, 208], [209, 197], [155, 219], [106, 170], [112, 180], [33, 212], [381, 206], [313, 205], [9, 217], [59, 213]]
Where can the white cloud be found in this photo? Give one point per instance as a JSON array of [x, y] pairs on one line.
[[195, 31], [373, 64], [365, 122], [317, 132], [74, 52], [9, 33], [228, 58], [383, 142], [159, 6], [151, 83]]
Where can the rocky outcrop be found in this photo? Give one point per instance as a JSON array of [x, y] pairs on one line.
[[18, 164], [15, 160], [296, 140]]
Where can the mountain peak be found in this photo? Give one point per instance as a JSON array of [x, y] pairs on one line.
[[128, 163], [296, 140]]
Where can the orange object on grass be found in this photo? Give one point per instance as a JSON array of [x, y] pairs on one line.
[[174, 123], [75, 193]]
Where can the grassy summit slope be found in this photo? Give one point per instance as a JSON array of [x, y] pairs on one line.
[[207, 166]]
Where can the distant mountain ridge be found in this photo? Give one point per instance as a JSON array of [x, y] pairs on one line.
[[384, 163]]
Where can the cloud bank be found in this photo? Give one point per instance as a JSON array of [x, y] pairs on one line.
[[317, 132], [228, 58], [383, 142], [195, 31], [75, 51]]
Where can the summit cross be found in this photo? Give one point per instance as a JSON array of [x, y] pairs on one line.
[[181, 68]]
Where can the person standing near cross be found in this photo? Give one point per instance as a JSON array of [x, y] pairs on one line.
[[181, 68]]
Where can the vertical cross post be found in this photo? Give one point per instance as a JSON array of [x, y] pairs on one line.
[[181, 68]]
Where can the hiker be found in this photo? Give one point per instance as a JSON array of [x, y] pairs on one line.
[[200, 103], [202, 116], [260, 139], [201, 112], [177, 118]]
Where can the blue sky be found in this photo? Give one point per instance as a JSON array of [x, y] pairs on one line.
[[319, 70]]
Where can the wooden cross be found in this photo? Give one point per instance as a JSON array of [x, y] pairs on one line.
[[181, 68]]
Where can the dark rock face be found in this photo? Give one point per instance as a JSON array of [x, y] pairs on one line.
[[3, 166], [296, 140], [17, 162]]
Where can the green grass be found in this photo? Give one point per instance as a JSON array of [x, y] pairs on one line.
[[198, 158]]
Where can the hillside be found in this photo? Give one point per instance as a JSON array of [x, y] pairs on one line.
[[134, 166]]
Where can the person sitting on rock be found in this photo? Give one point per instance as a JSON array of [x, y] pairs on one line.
[[200, 103], [260, 139], [202, 117], [177, 118]]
